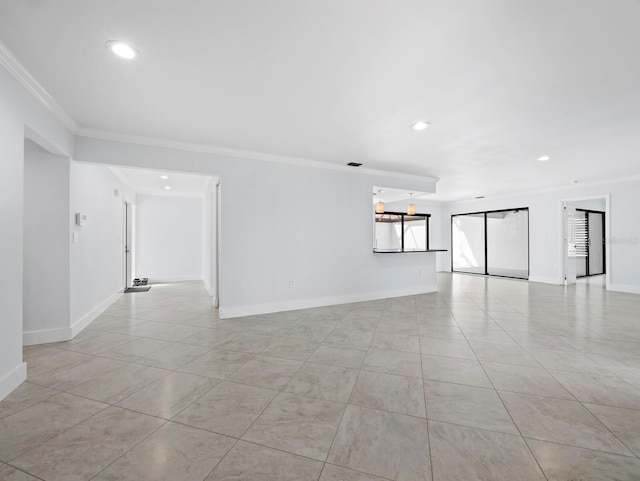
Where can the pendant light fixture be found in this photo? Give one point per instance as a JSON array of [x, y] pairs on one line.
[[380, 204], [411, 209]]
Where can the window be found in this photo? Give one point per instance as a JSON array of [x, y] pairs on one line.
[[398, 232]]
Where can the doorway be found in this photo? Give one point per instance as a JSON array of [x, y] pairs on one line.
[[128, 245], [585, 227], [590, 242]]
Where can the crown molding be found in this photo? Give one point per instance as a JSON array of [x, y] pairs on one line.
[[243, 154], [9, 61], [558, 188], [22, 75]]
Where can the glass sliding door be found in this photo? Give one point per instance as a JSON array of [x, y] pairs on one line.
[[508, 243], [468, 243], [493, 243]]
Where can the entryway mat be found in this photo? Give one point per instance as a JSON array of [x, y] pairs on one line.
[[137, 289]]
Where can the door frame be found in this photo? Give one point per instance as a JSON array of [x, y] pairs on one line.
[[128, 244], [607, 233]]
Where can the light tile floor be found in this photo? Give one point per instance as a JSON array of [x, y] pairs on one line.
[[488, 379]]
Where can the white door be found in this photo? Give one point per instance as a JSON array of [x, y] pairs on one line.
[[569, 228], [128, 245]]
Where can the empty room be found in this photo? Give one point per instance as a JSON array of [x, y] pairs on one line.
[[301, 240]]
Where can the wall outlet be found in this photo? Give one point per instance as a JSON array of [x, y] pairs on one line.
[[292, 283], [76, 238]]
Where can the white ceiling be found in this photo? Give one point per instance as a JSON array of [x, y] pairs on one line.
[[149, 182], [501, 81]]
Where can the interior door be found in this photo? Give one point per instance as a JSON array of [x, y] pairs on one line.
[[128, 245], [569, 240]]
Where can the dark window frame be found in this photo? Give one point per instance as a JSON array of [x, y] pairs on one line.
[[403, 215]]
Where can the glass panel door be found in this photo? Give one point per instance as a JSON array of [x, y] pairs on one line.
[[468, 243], [508, 243]]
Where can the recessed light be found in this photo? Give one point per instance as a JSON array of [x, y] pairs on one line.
[[354, 164], [480, 197], [164, 177], [420, 125], [544, 158], [575, 181], [122, 50], [166, 187]]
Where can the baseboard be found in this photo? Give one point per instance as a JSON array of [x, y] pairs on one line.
[[252, 310], [45, 336], [160, 280], [84, 321], [13, 379], [624, 288], [546, 280]]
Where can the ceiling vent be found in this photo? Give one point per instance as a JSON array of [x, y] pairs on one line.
[[354, 164]]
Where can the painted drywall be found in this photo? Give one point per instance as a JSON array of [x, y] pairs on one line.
[[20, 115], [169, 238], [97, 259], [46, 266], [283, 223], [589, 204], [545, 229]]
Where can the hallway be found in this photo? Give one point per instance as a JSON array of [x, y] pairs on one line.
[[542, 380]]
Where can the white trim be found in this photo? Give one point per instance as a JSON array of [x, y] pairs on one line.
[[244, 154], [90, 316], [252, 310], [546, 280], [22, 75], [624, 288], [45, 336], [13, 379], [615, 180], [164, 279]]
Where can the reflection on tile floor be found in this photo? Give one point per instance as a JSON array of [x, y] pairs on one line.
[[490, 379]]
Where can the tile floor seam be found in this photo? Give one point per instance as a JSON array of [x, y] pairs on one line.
[[49, 438], [426, 410], [23, 471], [166, 421], [513, 421]]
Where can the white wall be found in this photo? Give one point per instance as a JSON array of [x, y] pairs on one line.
[[97, 262], [282, 222], [46, 246], [20, 114], [545, 229], [169, 237], [590, 204]]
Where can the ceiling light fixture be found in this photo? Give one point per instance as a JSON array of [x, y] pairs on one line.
[[544, 158], [380, 204], [166, 187], [411, 209], [122, 50], [164, 177], [420, 125]]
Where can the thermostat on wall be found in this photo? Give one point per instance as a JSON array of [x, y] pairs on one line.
[[81, 219]]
